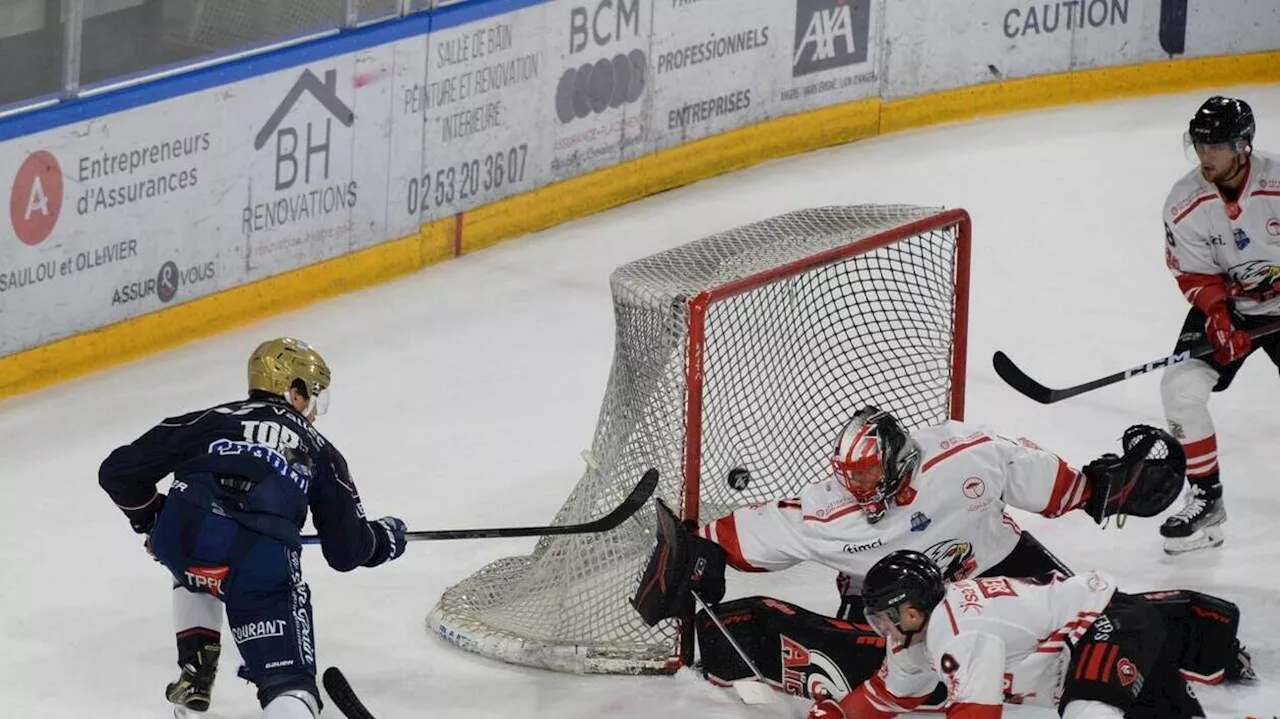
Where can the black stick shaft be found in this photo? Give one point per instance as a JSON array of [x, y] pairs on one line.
[[629, 506], [1019, 380]]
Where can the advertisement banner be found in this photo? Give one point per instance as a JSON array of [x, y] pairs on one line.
[[713, 67], [933, 46], [483, 113], [129, 213], [938, 46], [834, 54], [598, 108]]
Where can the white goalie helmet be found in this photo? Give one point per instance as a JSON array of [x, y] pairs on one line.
[[873, 456]]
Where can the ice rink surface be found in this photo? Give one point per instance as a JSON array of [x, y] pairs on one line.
[[463, 395]]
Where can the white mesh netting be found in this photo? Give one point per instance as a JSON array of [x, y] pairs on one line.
[[784, 363]]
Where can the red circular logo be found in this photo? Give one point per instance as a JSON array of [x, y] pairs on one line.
[[36, 199], [974, 487]]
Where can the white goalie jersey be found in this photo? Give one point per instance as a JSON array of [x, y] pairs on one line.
[[992, 640], [952, 509], [1207, 236]]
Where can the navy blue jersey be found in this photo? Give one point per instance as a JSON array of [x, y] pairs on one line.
[[258, 461]]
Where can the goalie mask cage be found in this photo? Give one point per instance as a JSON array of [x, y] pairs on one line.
[[749, 348]]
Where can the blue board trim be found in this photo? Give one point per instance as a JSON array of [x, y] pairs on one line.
[[185, 83]]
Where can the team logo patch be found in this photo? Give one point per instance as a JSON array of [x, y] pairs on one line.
[[974, 487], [1126, 672], [1273, 227], [812, 674], [954, 558], [920, 522], [1242, 240]]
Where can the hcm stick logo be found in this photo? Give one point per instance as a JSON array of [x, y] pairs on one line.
[[35, 200]]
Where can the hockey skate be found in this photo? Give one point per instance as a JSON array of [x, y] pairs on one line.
[[1198, 525], [193, 690]]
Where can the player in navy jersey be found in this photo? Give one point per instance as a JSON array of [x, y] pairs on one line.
[[245, 474]]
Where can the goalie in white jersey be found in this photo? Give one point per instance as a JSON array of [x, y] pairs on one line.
[[1222, 228], [942, 491], [1076, 644]]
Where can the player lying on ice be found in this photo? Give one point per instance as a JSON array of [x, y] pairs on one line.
[[1075, 644], [942, 491]]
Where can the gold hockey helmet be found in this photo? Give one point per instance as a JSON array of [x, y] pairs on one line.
[[279, 365]]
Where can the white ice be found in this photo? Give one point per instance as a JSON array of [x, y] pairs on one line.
[[463, 395]]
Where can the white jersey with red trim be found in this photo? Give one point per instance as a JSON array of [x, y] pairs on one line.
[[952, 509], [992, 640], [1205, 235]]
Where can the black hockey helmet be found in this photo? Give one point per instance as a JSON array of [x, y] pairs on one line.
[[900, 577], [1222, 120], [903, 576], [873, 447]]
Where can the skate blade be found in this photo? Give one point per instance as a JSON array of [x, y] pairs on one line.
[[1207, 538]]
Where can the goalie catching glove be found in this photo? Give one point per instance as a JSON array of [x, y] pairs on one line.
[[1143, 482], [681, 563]]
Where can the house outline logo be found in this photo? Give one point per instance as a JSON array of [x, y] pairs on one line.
[[326, 93]]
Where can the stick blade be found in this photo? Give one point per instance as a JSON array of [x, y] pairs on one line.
[[754, 692], [343, 696], [1019, 380]]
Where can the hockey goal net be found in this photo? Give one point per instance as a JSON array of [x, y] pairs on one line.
[[749, 348]]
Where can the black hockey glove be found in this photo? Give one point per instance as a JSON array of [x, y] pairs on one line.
[[1143, 482], [143, 519], [388, 540], [681, 563]]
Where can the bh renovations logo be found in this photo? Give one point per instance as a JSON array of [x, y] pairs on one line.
[[830, 34], [302, 186]]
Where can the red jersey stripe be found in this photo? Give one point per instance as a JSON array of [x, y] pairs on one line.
[[1194, 204], [726, 534], [954, 450]]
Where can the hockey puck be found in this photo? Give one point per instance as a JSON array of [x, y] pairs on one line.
[[738, 478]]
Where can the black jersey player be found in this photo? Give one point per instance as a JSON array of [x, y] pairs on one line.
[[245, 474]]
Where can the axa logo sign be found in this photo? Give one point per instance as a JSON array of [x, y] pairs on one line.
[[315, 148], [830, 34], [609, 82]]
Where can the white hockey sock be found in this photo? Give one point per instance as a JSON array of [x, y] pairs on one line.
[[191, 611]]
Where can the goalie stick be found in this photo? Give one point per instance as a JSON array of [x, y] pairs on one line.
[[629, 506], [1017, 379], [343, 696]]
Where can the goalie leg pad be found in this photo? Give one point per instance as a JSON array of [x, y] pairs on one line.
[[682, 562], [804, 653]]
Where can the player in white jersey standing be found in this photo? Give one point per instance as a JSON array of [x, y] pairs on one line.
[[1075, 644], [1222, 231]]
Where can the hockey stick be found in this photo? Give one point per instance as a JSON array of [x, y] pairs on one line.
[[757, 691], [1017, 379], [629, 506], [343, 696]]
